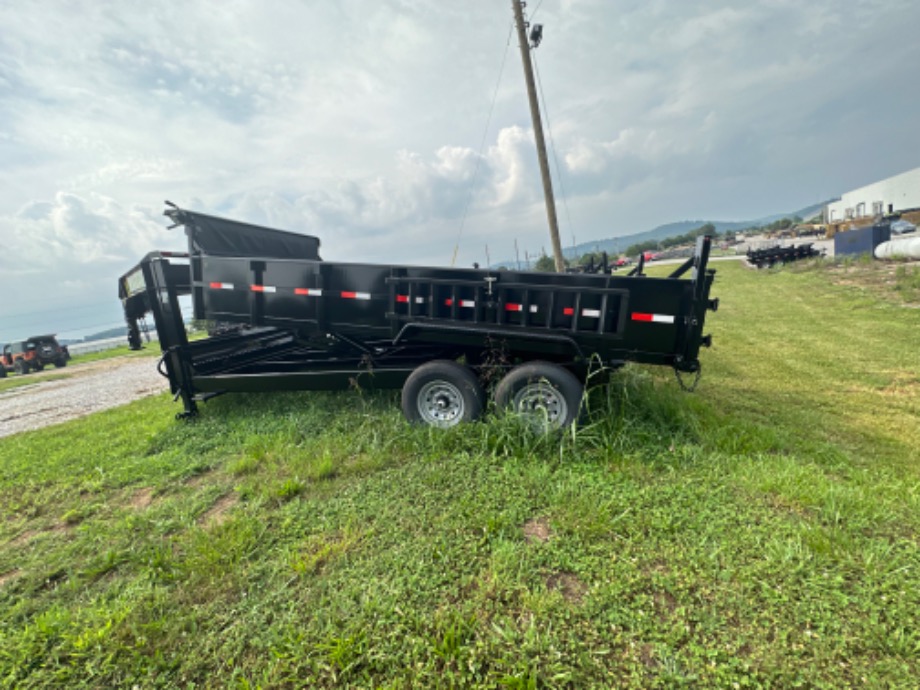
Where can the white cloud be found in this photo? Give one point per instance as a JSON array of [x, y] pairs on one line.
[[361, 122]]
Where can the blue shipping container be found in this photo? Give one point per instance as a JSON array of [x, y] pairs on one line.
[[861, 240]]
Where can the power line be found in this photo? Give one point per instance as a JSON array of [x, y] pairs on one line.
[[552, 143], [536, 9], [482, 143]]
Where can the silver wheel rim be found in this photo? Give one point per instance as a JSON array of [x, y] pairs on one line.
[[440, 403], [541, 404]]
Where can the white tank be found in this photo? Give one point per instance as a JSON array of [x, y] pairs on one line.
[[902, 248]]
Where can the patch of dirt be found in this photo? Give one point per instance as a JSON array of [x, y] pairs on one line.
[[537, 530], [656, 568], [217, 513], [30, 534], [665, 603], [142, 499], [573, 590], [197, 480], [787, 505], [647, 656], [24, 538], [8, 577]]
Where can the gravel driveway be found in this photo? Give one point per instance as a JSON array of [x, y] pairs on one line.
[[88, 388]]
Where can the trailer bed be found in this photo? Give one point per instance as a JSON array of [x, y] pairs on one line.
[[304, 323]]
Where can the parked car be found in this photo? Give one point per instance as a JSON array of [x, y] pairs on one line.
[[902, 227], [33, 354]]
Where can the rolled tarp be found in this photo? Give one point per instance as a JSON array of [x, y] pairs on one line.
[[899, 249]]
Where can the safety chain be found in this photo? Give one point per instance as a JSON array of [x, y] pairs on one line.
[[696, 379]]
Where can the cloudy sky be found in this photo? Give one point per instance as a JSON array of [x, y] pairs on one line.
[[365, 122]]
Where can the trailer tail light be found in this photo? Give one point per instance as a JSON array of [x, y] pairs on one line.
[[356, 295], [653, 318], [309, 292], [222, 286]]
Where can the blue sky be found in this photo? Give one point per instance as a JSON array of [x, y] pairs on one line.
[[361, 122]]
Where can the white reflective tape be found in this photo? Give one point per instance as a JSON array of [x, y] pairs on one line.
[[309, 292], [533, 308], [593, 313], [264, 288], [362, 295], [467, 303], [420, 300], [222, 286]]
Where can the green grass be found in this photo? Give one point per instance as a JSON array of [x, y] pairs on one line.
[[763, 532], [150, 350], [11, 382]]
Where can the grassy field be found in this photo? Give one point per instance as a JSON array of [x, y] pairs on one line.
[[762, 532]]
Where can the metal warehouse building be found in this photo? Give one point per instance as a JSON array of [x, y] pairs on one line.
[[895, 194]]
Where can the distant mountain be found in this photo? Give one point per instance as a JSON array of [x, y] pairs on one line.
[[614, 245], [102, 335]]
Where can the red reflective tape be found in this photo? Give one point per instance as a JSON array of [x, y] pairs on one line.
[[356, 295], [514, 307], [448, 302], [402, 298], [222, 286], [655, 318], [568, 311], [263, 288], [310, 292]]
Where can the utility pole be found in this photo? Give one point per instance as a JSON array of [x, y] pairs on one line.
[[518, 7]]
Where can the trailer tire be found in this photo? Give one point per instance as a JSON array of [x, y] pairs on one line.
[[443, 394], [548, 396]]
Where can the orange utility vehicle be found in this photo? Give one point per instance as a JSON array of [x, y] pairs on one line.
[[32, 354]]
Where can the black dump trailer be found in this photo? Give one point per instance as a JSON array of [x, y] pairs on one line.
[[440, 334]]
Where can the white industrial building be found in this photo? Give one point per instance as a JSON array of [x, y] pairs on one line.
[[898, 193]]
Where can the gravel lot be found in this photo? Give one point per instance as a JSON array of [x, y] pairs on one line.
[[89, 388]]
